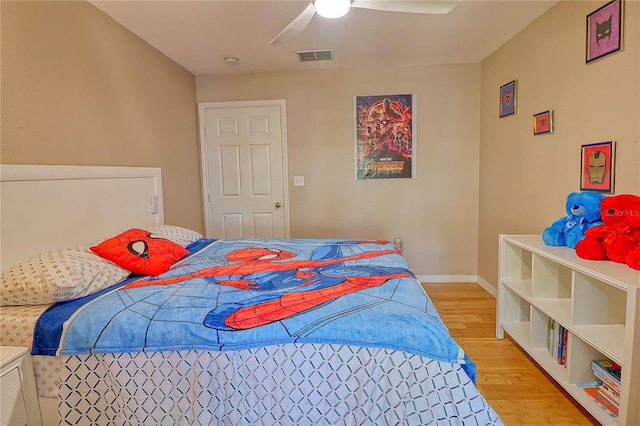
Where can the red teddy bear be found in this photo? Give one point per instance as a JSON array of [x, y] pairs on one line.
[[618, 239]]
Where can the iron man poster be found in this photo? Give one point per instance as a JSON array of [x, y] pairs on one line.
[[385, 144]]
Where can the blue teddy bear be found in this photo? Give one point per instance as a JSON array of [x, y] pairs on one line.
[[583, 210]]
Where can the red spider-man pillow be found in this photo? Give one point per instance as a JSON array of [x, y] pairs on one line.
[[138, 251]]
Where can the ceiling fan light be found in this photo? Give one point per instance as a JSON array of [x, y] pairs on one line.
[[332, 8]]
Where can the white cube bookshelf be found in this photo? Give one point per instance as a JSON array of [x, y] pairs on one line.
[[598, 302]]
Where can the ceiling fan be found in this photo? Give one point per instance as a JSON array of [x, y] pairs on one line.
[[338, 8]]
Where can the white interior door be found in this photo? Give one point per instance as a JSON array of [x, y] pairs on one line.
[[243, 147]]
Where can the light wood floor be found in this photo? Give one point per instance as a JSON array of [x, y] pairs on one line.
[[519, 391]]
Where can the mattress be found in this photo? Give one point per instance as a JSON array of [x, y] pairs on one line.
[[16, 329]]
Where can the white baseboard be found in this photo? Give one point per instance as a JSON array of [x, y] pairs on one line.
[[488, 287], [446, 278]]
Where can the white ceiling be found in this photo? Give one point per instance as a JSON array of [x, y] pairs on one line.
[[199, 34]]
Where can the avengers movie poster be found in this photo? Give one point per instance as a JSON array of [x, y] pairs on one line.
[[385, 145]]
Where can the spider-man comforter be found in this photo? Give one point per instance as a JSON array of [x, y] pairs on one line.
[[239, 294]]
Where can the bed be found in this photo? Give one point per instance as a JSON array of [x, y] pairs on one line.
[[233, 332]]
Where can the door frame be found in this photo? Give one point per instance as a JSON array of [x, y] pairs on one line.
[[204, 168]]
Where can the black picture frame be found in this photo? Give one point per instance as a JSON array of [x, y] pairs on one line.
[[605, 31], [508, 95]]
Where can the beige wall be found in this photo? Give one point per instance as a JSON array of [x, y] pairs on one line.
[[78, 88], [435, 214], [525, 179]]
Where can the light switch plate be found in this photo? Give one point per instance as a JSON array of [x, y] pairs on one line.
[[298, 181]]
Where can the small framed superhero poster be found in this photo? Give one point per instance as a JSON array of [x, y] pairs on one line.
[[508, 98], [597, 167], [543, 122], [385, 136], [605, 30]]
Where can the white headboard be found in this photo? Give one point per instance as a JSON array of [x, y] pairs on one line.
[[49, 207]]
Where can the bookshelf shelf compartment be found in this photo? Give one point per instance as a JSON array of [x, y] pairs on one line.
[[520, 332], [598, 303], [587, 402], [558, 309], [550, 280], [608, 339]]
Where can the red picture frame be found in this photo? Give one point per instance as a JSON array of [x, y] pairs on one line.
[[543, 122], [597, 167]]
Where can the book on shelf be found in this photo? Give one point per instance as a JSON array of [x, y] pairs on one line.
[[611, 391], [550, 325], [557, 342], [563, 355], [608, 372], [603, 402], [610, 394]]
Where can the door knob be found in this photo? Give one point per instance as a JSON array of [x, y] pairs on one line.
[[278, 205]]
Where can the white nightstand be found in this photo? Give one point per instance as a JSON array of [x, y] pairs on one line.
[[19, 402]]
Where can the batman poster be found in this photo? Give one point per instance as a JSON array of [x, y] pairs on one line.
[[605, 30]]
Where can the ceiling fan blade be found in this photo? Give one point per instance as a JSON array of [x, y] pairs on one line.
[[435, 7], [296, 26]]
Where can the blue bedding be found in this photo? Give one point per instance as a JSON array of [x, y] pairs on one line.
[[239, 294]]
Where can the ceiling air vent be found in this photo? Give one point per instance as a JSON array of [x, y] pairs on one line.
[[315, 55]]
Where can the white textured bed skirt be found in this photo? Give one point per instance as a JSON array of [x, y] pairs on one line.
[[293, 384]]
